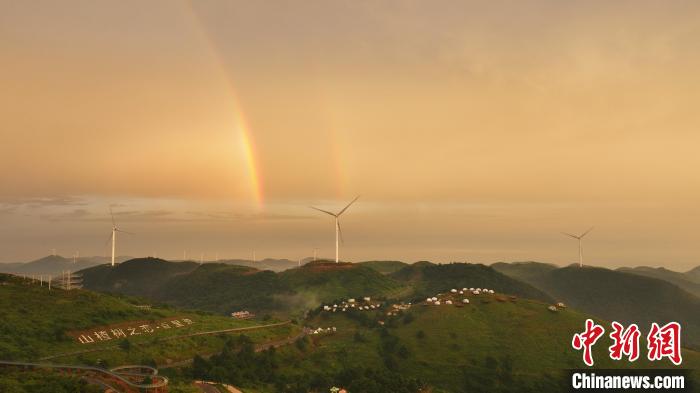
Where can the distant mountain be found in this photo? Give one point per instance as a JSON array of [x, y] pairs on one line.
[[428, 279], [225, 288], [54, 265], [524, 271], [385, 267], [682, 280], [615, 295], [276, 265], [694, 274]]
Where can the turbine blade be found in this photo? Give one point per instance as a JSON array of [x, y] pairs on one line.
[[568, 234], [128, 233], [585, 233], [346, 207], [112, 214], [323, 211], [340, 232]]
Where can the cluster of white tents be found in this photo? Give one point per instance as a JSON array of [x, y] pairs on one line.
[[396, 308], [435, 300], [353, 304], [321, 330], [556, 307]]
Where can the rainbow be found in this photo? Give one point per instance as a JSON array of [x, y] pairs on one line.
[[241, 124]]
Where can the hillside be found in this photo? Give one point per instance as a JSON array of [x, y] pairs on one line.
[[493, 344], [428, 279], [385, 267], [682, 280], [51, 265], [276, 265], [136, 277], [38, 324], [325, 281], [524, 271], [616, 295], [694, 274], [224, 288]]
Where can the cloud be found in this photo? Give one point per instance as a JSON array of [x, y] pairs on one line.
[[38, 202], [263, 216], [161, 215]]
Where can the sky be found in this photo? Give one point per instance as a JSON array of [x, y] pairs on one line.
[[474, 131]]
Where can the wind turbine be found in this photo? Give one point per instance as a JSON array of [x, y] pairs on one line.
[[115, 229], [338, 232], [580, 245]]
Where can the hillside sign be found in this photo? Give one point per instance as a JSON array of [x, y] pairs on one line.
[[128, 330]]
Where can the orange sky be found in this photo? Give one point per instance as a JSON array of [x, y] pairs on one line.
[[474, 130]]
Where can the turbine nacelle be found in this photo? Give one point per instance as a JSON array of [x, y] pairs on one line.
[[338, 231], [580, 246]]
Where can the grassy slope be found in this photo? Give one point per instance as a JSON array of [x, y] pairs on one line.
[[682, 280], [35, 323], [137, 277], [326, 281], [385, 267], [429, 279], [621, 296], [694, 274], [224, 288], [536, 341]]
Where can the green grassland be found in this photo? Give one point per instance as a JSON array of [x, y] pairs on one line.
[[487, 344], [326, 281], [618, 295], [427, 278], [36, 324], [224, 288], [385, 267]]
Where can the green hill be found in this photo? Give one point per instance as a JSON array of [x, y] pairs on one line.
[[224, 288], [326, 281], [385, 267], [493, 344], [38, 324], [136, 277], [524, 271], [694, 274], [682, 280], [429, 279], [616, 295], [276, 265]]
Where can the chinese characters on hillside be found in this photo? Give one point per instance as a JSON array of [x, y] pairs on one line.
[[662, 342], [107, 334]]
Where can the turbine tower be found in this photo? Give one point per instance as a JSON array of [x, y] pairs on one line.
[[580, 244], [338, 232], [115, 229]]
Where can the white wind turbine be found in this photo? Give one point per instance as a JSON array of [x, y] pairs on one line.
[[115, 229], [338, 232], [580, 244]]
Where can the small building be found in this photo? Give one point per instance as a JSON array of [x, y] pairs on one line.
[[242, 314]]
